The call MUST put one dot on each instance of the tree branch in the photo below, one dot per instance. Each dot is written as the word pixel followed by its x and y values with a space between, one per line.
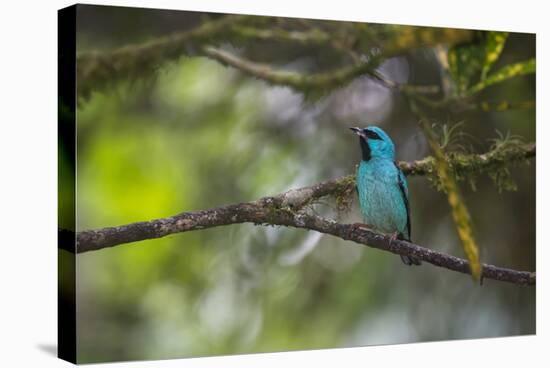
pixel 96 70
pixel 287 209
pixel 296 80
pixel 271 211
pixel 495 106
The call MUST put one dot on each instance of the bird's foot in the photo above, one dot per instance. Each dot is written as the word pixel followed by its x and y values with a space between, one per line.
pixel 408 260
pixel 393 237
pixel 358 226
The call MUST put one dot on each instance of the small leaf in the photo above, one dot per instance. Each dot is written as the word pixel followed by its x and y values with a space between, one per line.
pixel 493 48
pixel 505 73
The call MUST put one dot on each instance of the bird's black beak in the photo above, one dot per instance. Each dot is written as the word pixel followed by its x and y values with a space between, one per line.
pixel 358 131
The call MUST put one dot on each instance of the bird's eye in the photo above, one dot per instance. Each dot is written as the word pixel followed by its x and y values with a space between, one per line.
pixel 372 135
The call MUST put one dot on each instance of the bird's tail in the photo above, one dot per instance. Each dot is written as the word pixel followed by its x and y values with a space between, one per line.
pixel 408 260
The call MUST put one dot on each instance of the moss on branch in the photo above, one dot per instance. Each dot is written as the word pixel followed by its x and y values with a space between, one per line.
pixel 318 82
pixel 469 166
pixel 97 70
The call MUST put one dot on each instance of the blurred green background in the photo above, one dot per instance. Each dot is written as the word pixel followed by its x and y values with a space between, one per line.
pixel 200 135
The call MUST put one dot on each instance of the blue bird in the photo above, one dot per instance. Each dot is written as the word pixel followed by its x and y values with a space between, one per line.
pixel 382 187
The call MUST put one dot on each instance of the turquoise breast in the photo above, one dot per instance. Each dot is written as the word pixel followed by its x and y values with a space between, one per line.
pixel 380 197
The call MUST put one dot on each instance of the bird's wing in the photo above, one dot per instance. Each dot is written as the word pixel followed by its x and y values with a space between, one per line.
pixel 405 194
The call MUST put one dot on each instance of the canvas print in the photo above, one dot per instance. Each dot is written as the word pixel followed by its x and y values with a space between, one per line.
pixel 234 184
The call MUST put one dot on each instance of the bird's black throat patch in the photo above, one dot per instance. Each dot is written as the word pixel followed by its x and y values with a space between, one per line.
pixel 365 149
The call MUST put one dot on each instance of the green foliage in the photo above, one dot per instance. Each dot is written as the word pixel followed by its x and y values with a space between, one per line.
pixel 470 63
pixel 451 136
pixel 505 73
pixel 460 212
pixel 494 43
pixel 503 145
pixel 505 150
